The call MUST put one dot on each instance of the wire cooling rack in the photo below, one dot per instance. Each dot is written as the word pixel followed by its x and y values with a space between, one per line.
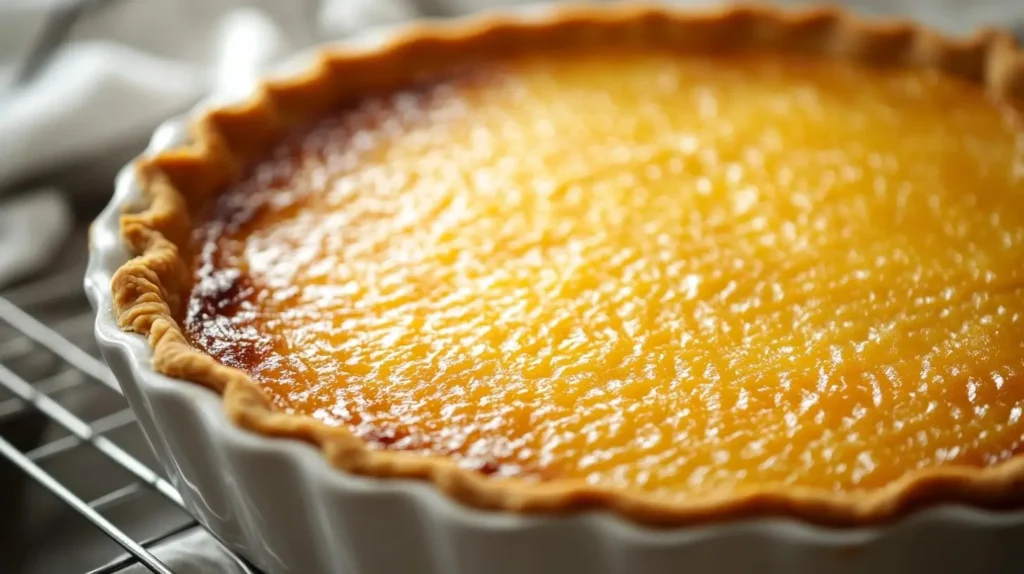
pixel 65 427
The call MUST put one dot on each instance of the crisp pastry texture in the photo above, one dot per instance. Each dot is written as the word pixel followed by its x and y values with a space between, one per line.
pixel 682 283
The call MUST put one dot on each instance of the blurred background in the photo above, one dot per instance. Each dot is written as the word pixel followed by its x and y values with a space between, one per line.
pixel 82 85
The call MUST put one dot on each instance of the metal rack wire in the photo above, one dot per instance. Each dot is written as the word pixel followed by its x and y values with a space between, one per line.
pixel 40 367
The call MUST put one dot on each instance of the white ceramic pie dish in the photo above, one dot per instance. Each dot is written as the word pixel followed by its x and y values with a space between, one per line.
pixel 277 503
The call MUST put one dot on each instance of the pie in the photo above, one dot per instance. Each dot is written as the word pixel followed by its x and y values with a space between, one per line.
pixel 682 267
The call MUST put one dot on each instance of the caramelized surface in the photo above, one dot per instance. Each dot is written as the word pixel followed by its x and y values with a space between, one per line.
pixel 651 271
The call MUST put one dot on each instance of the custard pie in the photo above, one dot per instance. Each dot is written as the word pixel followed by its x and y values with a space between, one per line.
pixel 682 267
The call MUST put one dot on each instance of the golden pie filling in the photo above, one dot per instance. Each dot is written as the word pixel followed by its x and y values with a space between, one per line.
pixel 677 274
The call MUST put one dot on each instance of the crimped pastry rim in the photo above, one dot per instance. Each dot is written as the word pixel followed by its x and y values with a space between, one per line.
pixel 149 288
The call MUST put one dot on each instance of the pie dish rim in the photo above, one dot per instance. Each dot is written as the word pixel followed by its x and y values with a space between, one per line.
pixel 144 288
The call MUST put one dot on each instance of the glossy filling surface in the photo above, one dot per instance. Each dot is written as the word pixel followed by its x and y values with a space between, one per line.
pixel 680 274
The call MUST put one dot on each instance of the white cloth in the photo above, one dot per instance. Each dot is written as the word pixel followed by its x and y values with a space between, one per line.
pixel 125 66
pixel 128 64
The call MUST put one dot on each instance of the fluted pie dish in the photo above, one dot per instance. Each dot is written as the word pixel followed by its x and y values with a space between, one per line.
pixel 673 272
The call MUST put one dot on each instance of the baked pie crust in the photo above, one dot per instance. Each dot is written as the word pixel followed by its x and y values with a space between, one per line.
pixel 151 291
